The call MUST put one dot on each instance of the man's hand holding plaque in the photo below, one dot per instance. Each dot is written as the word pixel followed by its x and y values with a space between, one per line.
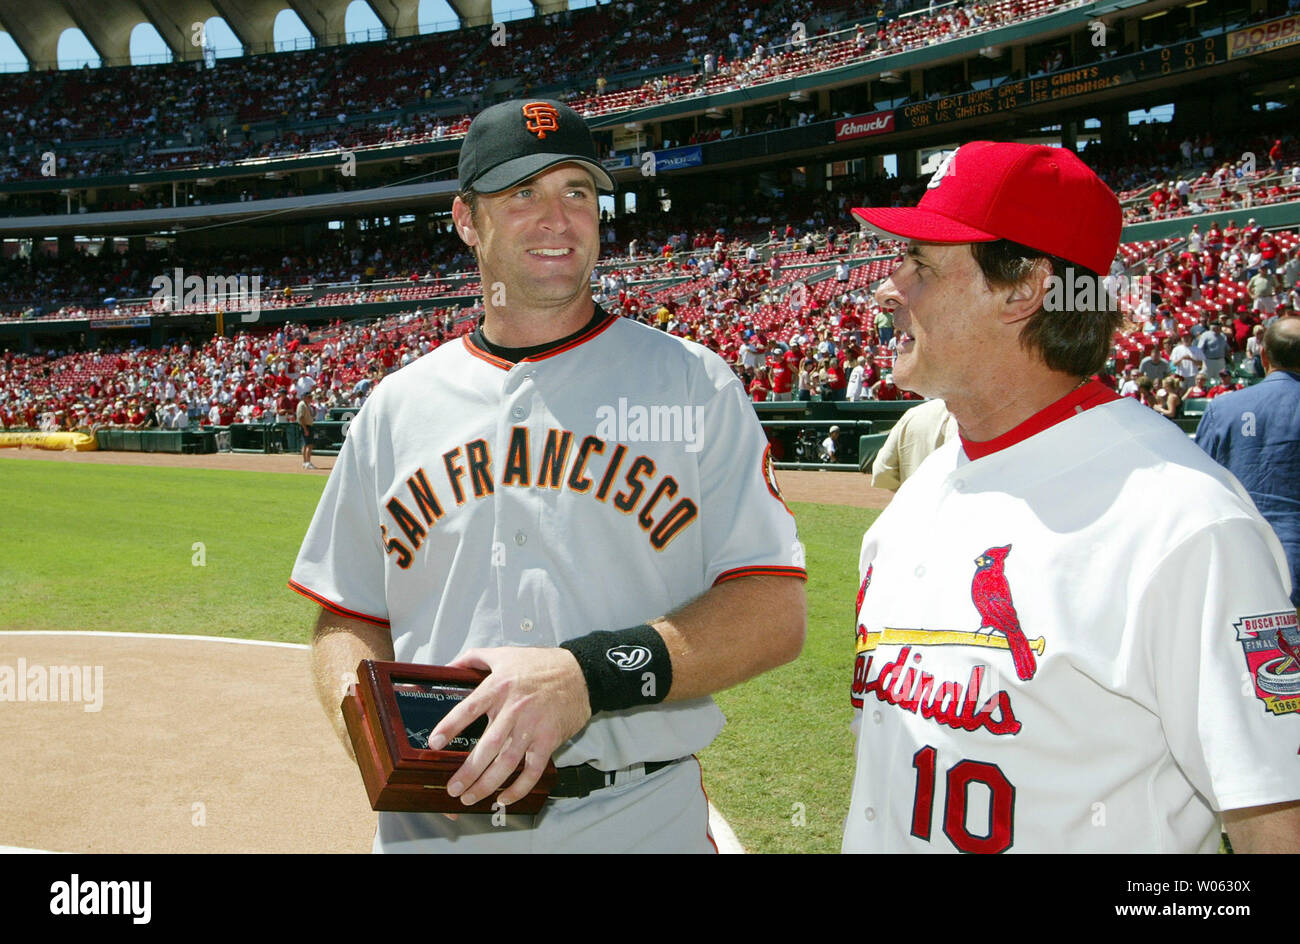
pixel 536 700
pixel 391 715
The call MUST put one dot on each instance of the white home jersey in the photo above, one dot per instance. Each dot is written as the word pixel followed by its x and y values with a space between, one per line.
pixel 1077 643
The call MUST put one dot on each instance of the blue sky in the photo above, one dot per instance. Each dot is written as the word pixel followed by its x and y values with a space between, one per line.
pixel 147 45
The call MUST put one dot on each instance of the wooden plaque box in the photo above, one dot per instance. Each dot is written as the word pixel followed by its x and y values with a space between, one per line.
pixel 390 711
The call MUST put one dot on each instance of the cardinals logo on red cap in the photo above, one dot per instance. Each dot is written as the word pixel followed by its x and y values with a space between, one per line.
pixel 945 168
pixel 542 117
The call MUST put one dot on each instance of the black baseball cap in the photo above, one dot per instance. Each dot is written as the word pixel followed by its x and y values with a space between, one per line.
pixel 513 141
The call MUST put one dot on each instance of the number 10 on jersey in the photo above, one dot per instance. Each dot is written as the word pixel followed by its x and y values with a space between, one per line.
pixel 999 834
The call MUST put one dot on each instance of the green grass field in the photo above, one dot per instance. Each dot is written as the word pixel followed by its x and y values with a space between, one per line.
pixel 113 548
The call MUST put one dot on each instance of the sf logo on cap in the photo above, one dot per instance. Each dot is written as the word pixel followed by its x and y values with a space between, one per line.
pixel 541 118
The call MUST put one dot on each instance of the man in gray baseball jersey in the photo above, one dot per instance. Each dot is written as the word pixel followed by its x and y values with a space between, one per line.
pixel 583 506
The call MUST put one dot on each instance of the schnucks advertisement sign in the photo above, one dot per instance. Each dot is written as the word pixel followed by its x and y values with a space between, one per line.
pixel 860 126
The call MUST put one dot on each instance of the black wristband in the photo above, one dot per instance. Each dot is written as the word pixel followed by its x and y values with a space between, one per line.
pixel 626 668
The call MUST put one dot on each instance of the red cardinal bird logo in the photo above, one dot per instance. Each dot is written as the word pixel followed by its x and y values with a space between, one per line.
pixel 992 597
pixel 862 591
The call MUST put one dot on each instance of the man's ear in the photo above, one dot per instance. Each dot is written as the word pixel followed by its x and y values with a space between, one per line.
pixel 1022 300
pixel 464 221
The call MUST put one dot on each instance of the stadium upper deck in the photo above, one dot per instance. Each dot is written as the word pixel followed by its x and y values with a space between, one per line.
pixel 421 90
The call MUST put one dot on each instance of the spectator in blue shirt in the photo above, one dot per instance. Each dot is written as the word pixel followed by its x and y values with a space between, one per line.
pixel 1255 434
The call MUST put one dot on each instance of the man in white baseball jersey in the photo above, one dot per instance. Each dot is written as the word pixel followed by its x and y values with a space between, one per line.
pixel 511 501
pixel 1073 629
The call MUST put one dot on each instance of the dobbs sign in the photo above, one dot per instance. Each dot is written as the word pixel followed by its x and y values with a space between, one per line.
pixel 1263 37
pixel 861 126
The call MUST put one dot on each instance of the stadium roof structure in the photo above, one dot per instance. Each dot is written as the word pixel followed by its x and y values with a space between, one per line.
pixel 107 24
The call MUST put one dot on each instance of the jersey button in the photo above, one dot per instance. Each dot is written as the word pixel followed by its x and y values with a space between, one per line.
pixel 920 570
pixel 959 485
pixel 517 413
pixel 876 717
pixel 526 625
pixel 870 814
pixel 521 538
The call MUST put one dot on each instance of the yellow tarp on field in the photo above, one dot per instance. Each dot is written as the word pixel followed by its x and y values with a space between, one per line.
pixel 81 442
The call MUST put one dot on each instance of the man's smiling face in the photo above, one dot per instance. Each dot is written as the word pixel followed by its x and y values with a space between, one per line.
pixel 538 239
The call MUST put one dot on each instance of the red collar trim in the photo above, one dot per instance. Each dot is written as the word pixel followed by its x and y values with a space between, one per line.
pixel 504 364
pixel 1093 393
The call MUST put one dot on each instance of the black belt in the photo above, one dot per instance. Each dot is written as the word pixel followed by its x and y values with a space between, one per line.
pixel 584 779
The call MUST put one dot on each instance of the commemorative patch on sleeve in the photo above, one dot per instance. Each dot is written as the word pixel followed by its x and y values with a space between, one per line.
pixel 1271 643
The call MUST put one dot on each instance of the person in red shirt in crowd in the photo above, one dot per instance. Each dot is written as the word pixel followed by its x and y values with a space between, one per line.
pixel 758 387
pixel 1231 234
pixel 119 416
pixel 836 382
pixel 1275 155
pixel 1209 267
pixel 782 380
pixel 1198 390
pixel 793 357
pixel 1267 252
pixel 1242 326
pixel 1214 239
pixel 851 325
pixel 1225 385
pixel 1158 201
pixel 884 389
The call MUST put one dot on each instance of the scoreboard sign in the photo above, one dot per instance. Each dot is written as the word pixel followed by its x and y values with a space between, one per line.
pixel 1070 83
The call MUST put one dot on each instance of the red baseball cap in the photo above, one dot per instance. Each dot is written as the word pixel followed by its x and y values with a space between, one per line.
pixel 1041 197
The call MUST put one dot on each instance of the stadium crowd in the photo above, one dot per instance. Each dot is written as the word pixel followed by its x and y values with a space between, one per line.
pixel 249 378
pixel 796 322
pixel 146 118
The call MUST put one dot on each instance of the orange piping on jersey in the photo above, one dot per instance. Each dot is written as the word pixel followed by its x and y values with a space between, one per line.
pixel 761 571
pixel 581 339
pixel 506 365
pixel 708 834
pixel 334 607
pixel 485 356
